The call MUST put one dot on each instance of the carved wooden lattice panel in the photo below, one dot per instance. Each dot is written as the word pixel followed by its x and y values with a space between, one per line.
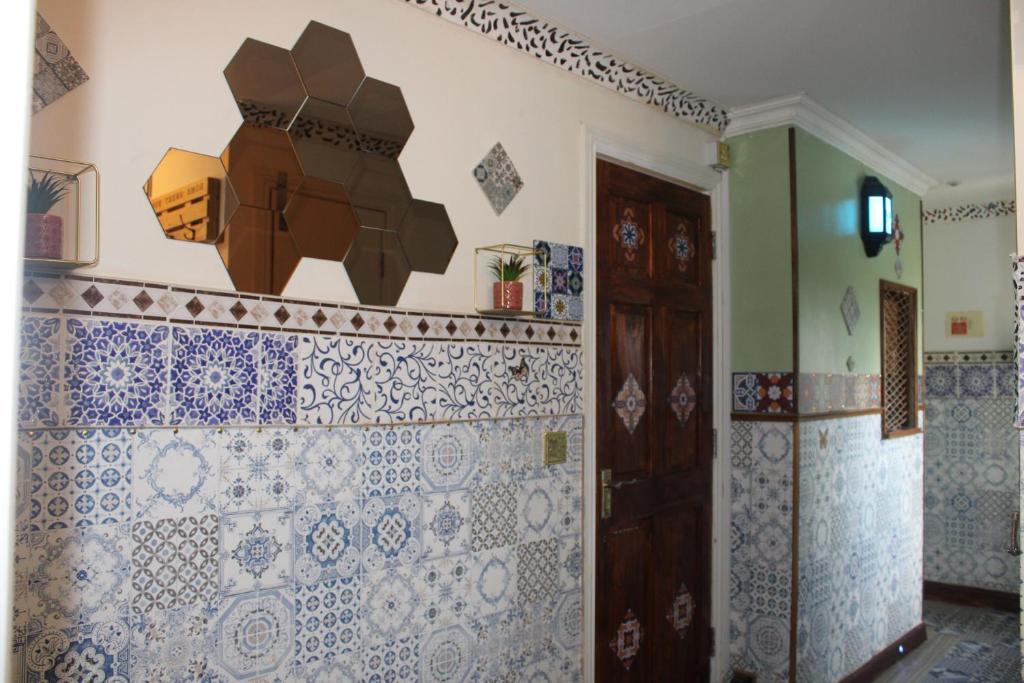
pixel 899 369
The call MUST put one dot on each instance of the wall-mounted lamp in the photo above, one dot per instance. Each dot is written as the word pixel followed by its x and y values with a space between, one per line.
pixel 875 215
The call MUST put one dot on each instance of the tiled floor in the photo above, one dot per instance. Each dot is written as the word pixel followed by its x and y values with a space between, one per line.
pixel 965 645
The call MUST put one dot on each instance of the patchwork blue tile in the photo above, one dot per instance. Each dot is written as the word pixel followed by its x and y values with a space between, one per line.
pixel 396 660
pixel 558 285
pixel 328 541
pixel 172 644
pixel 176 472
pixel 447 655
pixel 1006 379
pixel 328 464
pixel 256 635
pixel 277 378
pixel 95 651
pixel 39 372
pixel 976 380
pixel 115 373
pixel 78 478
pixel 175 563
pixel 444 590
pixel 391 531
pixel 449 456
pixel 255 551
pixel 78 575
pixel 257 468
pixel 391 606
pixel 446 524
pixel 327 623
pixel 213 376
pixel 391 461
pixel 940 380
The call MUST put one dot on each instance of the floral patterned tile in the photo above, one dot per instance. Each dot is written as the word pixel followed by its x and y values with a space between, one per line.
pixel 328 465
pixel 391 461
pixel 116 373
pixel 96 651
pixel 277 378
pixel 328 541
pixel 39 371
pixel 257 468
pixel 176 472
pixel 327 623
pixel 213 376
pixel 255 635
pixel 255 551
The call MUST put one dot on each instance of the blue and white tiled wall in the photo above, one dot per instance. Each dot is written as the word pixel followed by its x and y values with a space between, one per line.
pixel 971 469
pixel 858 553
pixel 860 544
pixel 761 556
pixel 215 502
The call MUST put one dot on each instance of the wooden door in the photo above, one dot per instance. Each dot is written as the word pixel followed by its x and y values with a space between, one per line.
pixel 654 429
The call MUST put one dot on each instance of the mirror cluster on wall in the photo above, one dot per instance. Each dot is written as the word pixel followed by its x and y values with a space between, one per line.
pixel 313 172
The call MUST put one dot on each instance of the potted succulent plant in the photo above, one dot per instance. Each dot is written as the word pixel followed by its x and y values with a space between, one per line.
pixel 44 232
pixel 508 290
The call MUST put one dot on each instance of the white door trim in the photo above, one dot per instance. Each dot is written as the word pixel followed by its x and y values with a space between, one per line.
pixel 597 144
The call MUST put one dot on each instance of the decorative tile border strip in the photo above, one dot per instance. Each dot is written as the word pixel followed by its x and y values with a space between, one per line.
pixel 572 52
pixel 71 294
pixel 827 392
pixel 1018 335
pixel 970 212
pixel 763 392
pixel 967 375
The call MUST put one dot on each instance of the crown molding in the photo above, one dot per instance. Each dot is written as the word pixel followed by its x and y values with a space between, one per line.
pixel 800 110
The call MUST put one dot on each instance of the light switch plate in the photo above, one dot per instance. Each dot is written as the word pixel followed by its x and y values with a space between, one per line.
pixel 555 446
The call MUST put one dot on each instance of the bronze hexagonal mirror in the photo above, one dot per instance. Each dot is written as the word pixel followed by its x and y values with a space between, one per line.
pixel 321 220
pixel 377 267
pixel 381 117
pixel 427 237
pixel 312 171
pixel 265 84
pixel 191 196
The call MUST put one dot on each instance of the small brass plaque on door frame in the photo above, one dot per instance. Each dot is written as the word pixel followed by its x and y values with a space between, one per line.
pixel 555 446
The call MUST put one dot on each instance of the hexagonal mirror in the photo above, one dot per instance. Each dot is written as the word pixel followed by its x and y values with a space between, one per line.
pixel 377 267
pixel 379 193
pixel 328 63
pixel 265 84
pixel 191 196
pixel 325 141
pixel 381 117
pixel 427 237
pixel 262 166
pixel 258 251
pixel 321 219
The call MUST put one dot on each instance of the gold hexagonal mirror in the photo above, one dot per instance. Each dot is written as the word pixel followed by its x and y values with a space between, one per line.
pixel 191 196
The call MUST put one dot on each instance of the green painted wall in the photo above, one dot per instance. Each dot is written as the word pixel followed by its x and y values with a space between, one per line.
pixel 761 280
pixel 832 258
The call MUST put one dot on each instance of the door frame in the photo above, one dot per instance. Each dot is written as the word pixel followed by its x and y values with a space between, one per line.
pixel 702 178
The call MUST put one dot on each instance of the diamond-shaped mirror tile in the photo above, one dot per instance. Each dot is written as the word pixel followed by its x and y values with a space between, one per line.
pixel 850 310
pixel 498 178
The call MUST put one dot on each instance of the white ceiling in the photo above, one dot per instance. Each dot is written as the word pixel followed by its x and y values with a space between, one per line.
pixel 927 79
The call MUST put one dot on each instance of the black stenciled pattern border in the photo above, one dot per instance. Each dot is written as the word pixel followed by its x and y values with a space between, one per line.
pixel 970 212
pixel 570 51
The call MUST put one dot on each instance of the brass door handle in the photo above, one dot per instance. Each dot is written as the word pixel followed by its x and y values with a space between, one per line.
pixel 606 494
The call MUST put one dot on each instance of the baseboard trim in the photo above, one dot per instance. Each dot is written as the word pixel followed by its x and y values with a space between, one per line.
pixel 972 597
pixel 912 639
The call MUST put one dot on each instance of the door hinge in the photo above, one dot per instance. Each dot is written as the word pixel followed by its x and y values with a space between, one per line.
pixel 714 444
pixel 713 646
pixel 714 245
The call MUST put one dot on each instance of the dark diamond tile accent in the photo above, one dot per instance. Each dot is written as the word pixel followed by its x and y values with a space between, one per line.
pixel 480 329
pixel 143 300
pixel 31 291
pixel 319 318
pixel 423 326
pixel 238 310
pixel 282 315
pixel 357 321
pixel 451 327
pixel 529 331
pixel 92 296
pixel 195 306
pixel 390 324
pixel 573 335
pixel 551 333
pixel 504 329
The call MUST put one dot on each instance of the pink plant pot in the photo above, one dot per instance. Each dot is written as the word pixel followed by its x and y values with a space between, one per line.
pixel 44 236
pixel 508 296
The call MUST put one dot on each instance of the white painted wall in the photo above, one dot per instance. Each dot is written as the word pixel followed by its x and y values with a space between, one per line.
pixel 156 82
pixel 967 268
